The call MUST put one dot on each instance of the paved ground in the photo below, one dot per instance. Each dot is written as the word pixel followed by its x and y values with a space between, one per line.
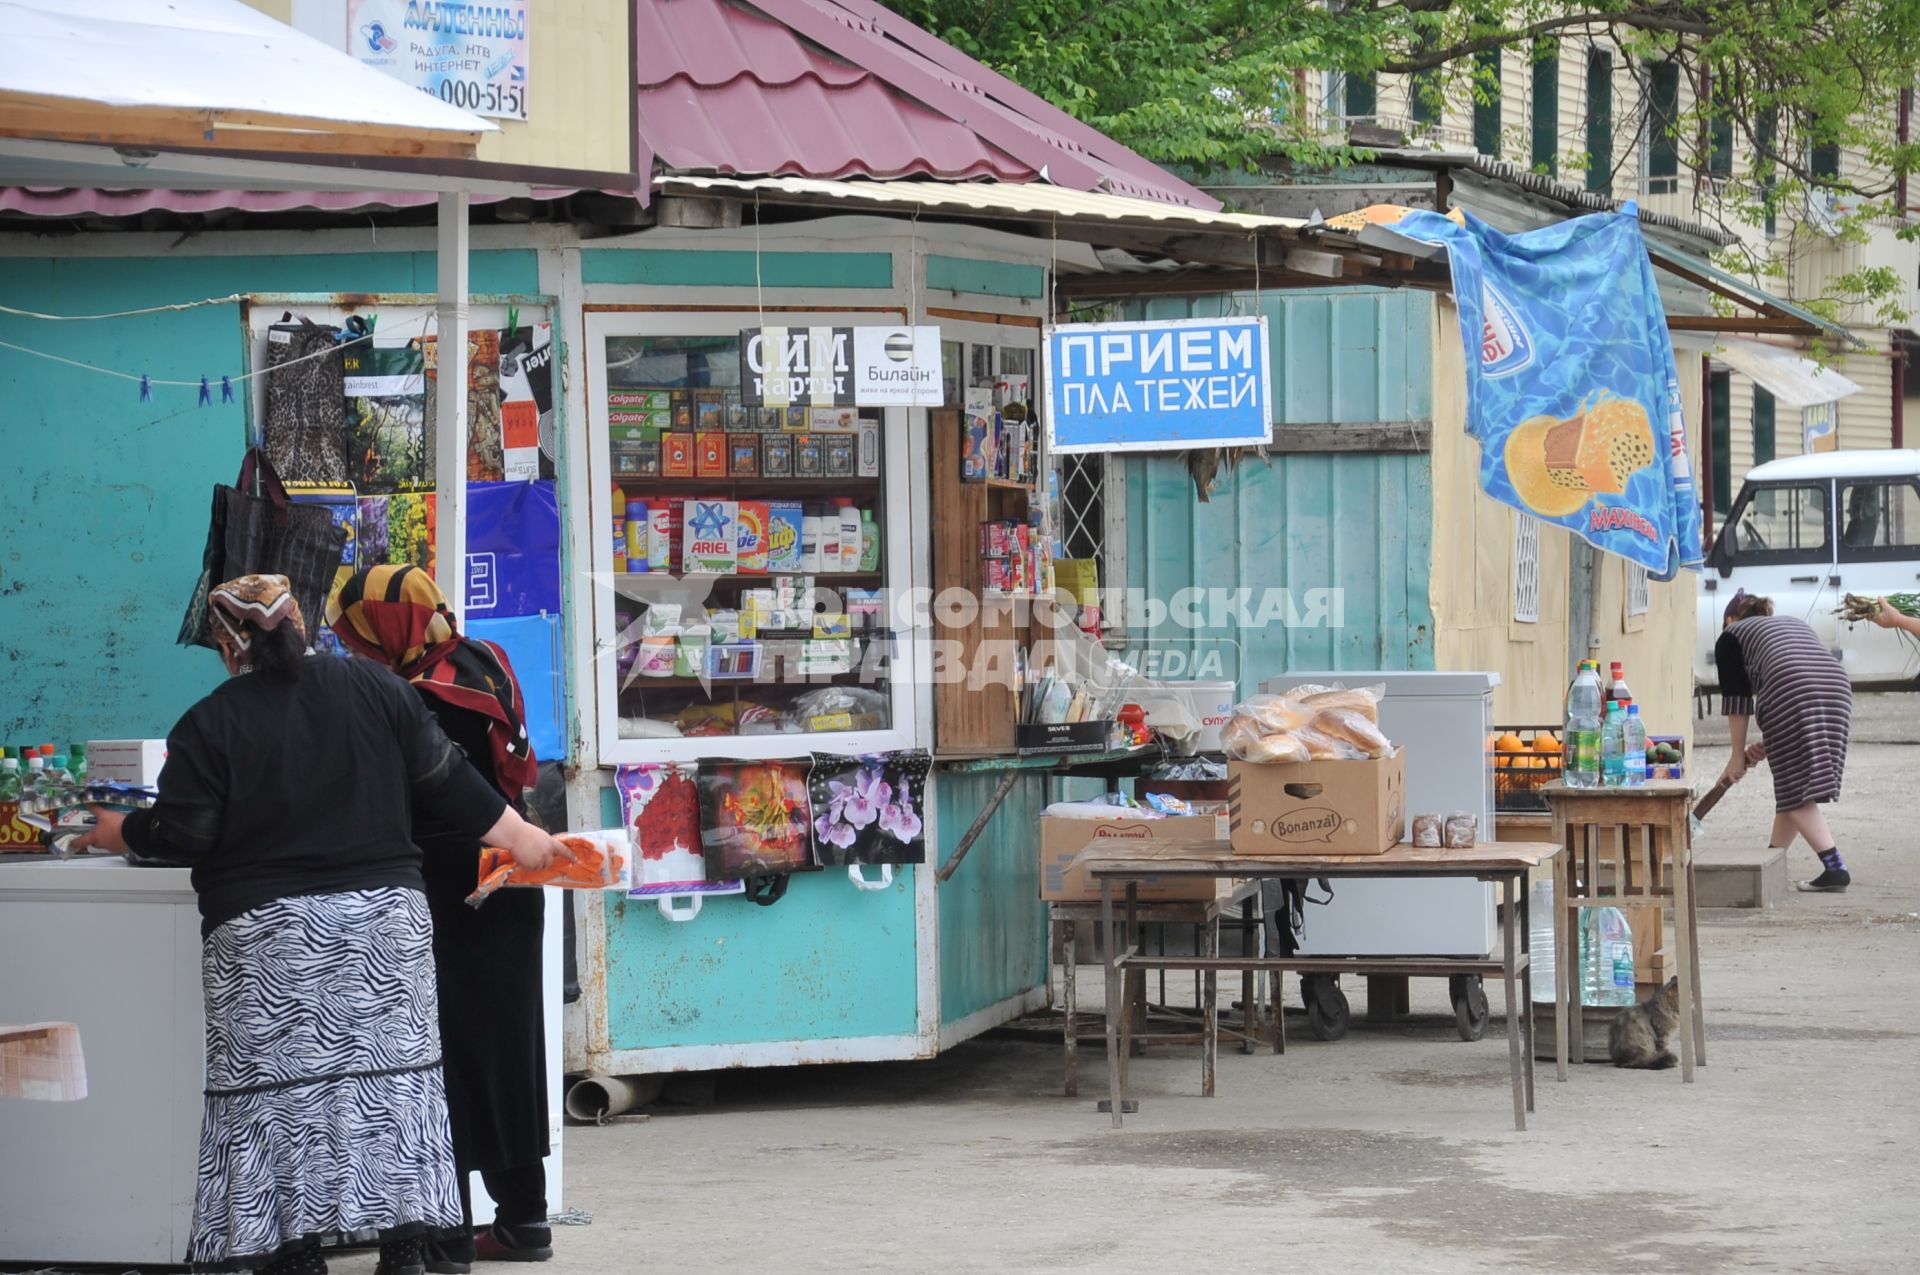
pixel 1389 1151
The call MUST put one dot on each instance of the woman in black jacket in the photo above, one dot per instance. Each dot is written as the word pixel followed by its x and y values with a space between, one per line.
pixel 487 958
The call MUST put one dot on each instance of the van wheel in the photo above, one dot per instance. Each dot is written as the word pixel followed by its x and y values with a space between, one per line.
pixel 1328 1013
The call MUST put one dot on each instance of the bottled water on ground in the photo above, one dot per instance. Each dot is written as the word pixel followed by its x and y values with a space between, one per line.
pixel 1606 957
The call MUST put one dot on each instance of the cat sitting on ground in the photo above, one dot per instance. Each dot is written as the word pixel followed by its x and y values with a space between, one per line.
pixel 1638 1037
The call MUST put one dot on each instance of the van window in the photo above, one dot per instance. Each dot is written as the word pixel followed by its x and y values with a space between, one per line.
pixel 1778 524
pixel 1879 520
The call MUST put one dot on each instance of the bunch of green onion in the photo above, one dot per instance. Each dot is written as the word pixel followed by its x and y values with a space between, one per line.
pixel 1857 609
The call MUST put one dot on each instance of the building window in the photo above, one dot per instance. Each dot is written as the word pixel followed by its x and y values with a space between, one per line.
pixel 1639 595
pixel 1362 96
pixel 1826 161
pixel 1425 93
pixel 1719 133
pixel 1093 527
pixel 1663 122
pixel 1765 171
pixel 1763 417
pixel 1486 102
pixel 1720 385
pixel 1545 155
pixel 1600 121
pixel 1526 569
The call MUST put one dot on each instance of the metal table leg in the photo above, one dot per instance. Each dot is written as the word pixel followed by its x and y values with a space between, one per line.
pixel 1526 981
pixel 1114 1009
pixel 1070 1002
pixel 1209 1010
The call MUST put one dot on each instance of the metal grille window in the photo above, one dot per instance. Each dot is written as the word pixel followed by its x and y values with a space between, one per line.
pixel 1639 595
pixel 1093 521
pixel 1526 569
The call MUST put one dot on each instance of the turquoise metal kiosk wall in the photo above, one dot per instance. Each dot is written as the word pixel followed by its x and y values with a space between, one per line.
pixel 1359 522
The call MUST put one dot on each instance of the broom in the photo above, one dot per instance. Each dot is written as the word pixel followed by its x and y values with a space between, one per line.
pixel 1756 753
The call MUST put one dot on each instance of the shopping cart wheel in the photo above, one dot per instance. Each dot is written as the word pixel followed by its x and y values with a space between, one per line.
pixel 1328 1014
pixel 1469 994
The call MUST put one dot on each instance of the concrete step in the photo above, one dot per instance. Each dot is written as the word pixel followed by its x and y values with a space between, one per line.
pixel 1741 878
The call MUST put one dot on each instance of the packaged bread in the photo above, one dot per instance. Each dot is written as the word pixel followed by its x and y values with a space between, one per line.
pixel 1322 746
pixel 1352 727
pixel 1273 713
pixel 1362 701
pixel 1243 740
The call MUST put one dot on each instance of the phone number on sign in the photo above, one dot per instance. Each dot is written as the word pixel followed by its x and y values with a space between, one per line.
pixel 488 99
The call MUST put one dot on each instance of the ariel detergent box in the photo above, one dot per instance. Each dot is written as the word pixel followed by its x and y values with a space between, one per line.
pixel 711 537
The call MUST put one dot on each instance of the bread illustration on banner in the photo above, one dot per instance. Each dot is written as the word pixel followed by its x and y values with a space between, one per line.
pixel 1557 466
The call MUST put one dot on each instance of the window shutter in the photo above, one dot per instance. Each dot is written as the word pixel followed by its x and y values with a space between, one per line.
pixel 1486 115
pixel 1545 155
pixel 1763 422
pixel 1600 120
pixel 1639 593
pixel 1526 569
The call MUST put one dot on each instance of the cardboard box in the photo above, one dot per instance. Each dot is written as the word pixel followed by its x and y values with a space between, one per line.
pixel 1062 737
pixel 1318 807
pixel 1062 840
pixel 126 761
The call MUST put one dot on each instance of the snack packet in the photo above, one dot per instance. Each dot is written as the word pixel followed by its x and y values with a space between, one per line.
pixel 599 864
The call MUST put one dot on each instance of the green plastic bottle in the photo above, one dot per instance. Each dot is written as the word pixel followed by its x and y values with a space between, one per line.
pixel 77 763
pixel 869 541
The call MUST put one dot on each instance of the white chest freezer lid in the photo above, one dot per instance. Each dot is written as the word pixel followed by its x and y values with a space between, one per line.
pixel 1437 685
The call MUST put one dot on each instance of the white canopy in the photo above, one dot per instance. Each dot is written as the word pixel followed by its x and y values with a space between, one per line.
pixel 1798 382
pixel 208 76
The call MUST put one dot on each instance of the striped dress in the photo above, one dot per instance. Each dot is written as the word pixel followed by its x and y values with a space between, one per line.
pixel 1774 668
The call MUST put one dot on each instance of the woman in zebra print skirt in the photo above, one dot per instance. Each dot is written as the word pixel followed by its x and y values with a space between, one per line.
pixel 1775 668
pixel 287 789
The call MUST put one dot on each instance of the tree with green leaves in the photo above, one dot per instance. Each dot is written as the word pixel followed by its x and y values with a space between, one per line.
pixel 1212 84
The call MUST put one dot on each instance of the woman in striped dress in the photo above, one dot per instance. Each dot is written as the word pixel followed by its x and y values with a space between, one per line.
pixel 287 790
pixel 1775 668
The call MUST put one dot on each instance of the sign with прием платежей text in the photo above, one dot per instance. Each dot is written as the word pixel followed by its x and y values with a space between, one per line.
pixel 1157 385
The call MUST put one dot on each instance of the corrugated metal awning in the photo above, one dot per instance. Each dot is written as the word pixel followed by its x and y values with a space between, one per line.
pixel 1023 201
pixel 1795 381
pixel 1776 314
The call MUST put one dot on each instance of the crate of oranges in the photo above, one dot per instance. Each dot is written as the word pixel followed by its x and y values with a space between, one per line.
pixel 1525 760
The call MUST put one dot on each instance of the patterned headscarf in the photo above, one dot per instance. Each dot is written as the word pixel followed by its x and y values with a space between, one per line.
pixel 265 602
pixel 398 616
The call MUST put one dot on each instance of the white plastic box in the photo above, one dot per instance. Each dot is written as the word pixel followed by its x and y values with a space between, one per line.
pixel 126 761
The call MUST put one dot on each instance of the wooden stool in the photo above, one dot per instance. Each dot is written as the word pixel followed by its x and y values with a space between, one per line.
pixel 1625 848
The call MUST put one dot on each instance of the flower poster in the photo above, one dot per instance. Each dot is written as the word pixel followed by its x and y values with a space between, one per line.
pixel 661 811
pixel 869 809
pixel 754 818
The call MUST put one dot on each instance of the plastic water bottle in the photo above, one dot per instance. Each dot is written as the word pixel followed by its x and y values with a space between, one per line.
pixel 1580 753
pixel 1633 745
pixel 1613 743
pixel 1606 957
pixel 1540 948
pixel 10 780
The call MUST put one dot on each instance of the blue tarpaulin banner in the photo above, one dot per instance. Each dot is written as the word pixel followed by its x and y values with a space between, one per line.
pixel 513 549
pixel 532 644
pixel 1574 396
pixel 1158 385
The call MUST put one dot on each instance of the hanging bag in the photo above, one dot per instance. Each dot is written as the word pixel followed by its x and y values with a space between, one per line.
pixel 305 435
pixel 255 529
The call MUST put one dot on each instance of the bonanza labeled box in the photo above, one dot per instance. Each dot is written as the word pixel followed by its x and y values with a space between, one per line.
pixel 1062 840
pixel 1317 807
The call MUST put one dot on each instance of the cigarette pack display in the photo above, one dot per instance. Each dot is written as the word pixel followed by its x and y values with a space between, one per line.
pixel 752 537
pixel 709 409
pixel 683 409
pixel 740 417
pixel 676 454
pixel 743 455
pixel 710 454
pixel 840 450
pixel 776 456
pixel 783 535
pixel 627 445
pixel 711 536
pixel 867 459
pixel 809 456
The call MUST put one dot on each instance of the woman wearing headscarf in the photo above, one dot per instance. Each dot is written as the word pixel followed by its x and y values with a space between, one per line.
pixel 487 958
pixel 287 791
pixel 1775 668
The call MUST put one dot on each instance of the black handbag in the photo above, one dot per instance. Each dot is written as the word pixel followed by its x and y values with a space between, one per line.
pixel 264 532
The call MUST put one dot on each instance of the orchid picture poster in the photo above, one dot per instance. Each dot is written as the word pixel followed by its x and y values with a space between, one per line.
pixel 869 809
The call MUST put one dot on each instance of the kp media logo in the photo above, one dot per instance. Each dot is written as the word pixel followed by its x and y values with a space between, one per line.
pixel 1505 345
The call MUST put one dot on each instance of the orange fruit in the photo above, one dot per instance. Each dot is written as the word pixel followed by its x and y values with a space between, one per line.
pixel 1509 743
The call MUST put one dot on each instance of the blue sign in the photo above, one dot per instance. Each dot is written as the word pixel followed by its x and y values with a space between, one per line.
pixel 1158 385
pixel 1572 391
pixel 533 647
pixel 513 549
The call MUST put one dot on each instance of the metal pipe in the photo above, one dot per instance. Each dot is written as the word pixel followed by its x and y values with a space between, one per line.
pixel 598 1099
pixel 1899 397
pixel 1706 451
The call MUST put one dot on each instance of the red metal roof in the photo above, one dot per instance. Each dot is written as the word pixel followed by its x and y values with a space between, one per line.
pixel 848 88
pixel 828 89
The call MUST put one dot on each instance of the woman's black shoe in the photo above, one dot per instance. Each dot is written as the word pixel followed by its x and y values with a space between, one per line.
pixel 1832 881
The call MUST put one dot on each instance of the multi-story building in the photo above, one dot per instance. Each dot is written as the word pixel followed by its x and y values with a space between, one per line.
pixel 1580 110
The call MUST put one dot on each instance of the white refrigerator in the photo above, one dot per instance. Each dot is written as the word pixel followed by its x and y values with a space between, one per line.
pixel 1444 722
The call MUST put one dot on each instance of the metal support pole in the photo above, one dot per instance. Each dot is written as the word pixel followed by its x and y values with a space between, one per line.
pixel 450 415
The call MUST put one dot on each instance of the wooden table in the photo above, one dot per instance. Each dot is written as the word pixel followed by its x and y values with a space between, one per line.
pixel 1205 917
pixel 1625 848
pixel 1506 863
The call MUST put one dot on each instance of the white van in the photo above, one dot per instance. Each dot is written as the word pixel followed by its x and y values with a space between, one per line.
pixel 1808 530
